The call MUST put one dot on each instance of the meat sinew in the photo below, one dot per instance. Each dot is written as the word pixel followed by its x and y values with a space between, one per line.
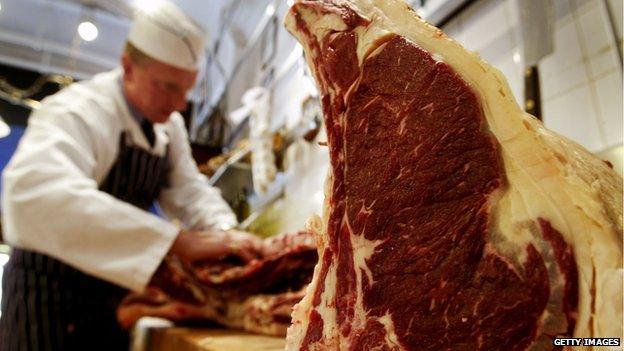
pixel 453 220
pixel 257 296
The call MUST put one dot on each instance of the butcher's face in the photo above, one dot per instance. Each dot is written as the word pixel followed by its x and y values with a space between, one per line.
pixel 157 89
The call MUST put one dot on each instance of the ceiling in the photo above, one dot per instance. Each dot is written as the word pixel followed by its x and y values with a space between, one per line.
pixel 120 8
pixel 41 35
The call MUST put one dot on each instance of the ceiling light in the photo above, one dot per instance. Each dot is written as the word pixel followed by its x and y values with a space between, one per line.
pixel 516 56
pixel 87 31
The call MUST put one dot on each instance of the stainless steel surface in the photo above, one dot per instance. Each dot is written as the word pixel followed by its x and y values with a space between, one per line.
pixel 234 179
pixel 234 159
pixel 206 111
pixel 537 26
pixel 141 335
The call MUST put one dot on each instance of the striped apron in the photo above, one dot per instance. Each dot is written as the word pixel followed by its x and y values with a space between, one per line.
pixel 49 305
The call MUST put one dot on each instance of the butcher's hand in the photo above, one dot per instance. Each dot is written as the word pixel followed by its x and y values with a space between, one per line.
pixel 216 244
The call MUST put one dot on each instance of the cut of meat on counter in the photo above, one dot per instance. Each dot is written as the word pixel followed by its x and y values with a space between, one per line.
pixel 257 297
pixel 454 220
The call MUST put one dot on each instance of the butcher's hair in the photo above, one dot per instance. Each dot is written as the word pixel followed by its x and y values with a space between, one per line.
pixel 137 56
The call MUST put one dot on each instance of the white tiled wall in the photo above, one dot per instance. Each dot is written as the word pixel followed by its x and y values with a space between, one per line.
pixel 584 74
pixel 616 8
pixel 581 81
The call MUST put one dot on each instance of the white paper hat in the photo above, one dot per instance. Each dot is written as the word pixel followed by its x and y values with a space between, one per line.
pixel 167 34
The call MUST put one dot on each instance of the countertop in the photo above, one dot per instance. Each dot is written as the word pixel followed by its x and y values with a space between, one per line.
pixel 193 339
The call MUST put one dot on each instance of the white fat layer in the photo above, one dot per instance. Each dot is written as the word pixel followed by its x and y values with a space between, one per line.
pixel 325 309
pixel 548 176
pixel 296 332
pixel 391 338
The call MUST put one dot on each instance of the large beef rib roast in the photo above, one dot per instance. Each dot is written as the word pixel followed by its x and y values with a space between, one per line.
pixel 255 296
pixel 453 220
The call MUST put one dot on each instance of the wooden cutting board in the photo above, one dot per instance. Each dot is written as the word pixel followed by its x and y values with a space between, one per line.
pixel 192 339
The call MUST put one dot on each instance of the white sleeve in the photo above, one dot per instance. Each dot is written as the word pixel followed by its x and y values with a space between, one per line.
pixel 51 204
pixel 190 198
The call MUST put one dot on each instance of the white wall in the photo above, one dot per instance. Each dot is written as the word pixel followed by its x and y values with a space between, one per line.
pixel 581 82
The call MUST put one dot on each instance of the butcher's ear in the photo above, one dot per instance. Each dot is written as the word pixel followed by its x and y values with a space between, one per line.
pixel 128 65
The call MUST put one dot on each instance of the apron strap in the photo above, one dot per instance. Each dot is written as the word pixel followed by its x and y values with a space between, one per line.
pixel 137 176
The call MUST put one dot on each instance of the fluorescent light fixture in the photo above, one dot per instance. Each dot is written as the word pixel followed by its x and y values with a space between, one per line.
pixel 87 31
pixel 270 10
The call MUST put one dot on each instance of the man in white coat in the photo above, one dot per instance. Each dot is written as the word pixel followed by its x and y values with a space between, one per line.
pixel 93 159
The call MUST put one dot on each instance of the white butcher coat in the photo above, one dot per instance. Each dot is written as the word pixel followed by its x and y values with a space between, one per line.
pixel 51 203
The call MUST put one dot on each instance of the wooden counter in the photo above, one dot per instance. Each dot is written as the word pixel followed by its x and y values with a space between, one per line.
pixel 191 339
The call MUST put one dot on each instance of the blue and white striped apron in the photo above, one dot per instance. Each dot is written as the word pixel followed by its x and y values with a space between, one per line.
pixel 49 305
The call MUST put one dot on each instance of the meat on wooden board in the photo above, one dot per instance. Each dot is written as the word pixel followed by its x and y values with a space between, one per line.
pixel 257 296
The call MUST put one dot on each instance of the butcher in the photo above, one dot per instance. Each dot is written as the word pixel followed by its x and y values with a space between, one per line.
pixel 94 159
